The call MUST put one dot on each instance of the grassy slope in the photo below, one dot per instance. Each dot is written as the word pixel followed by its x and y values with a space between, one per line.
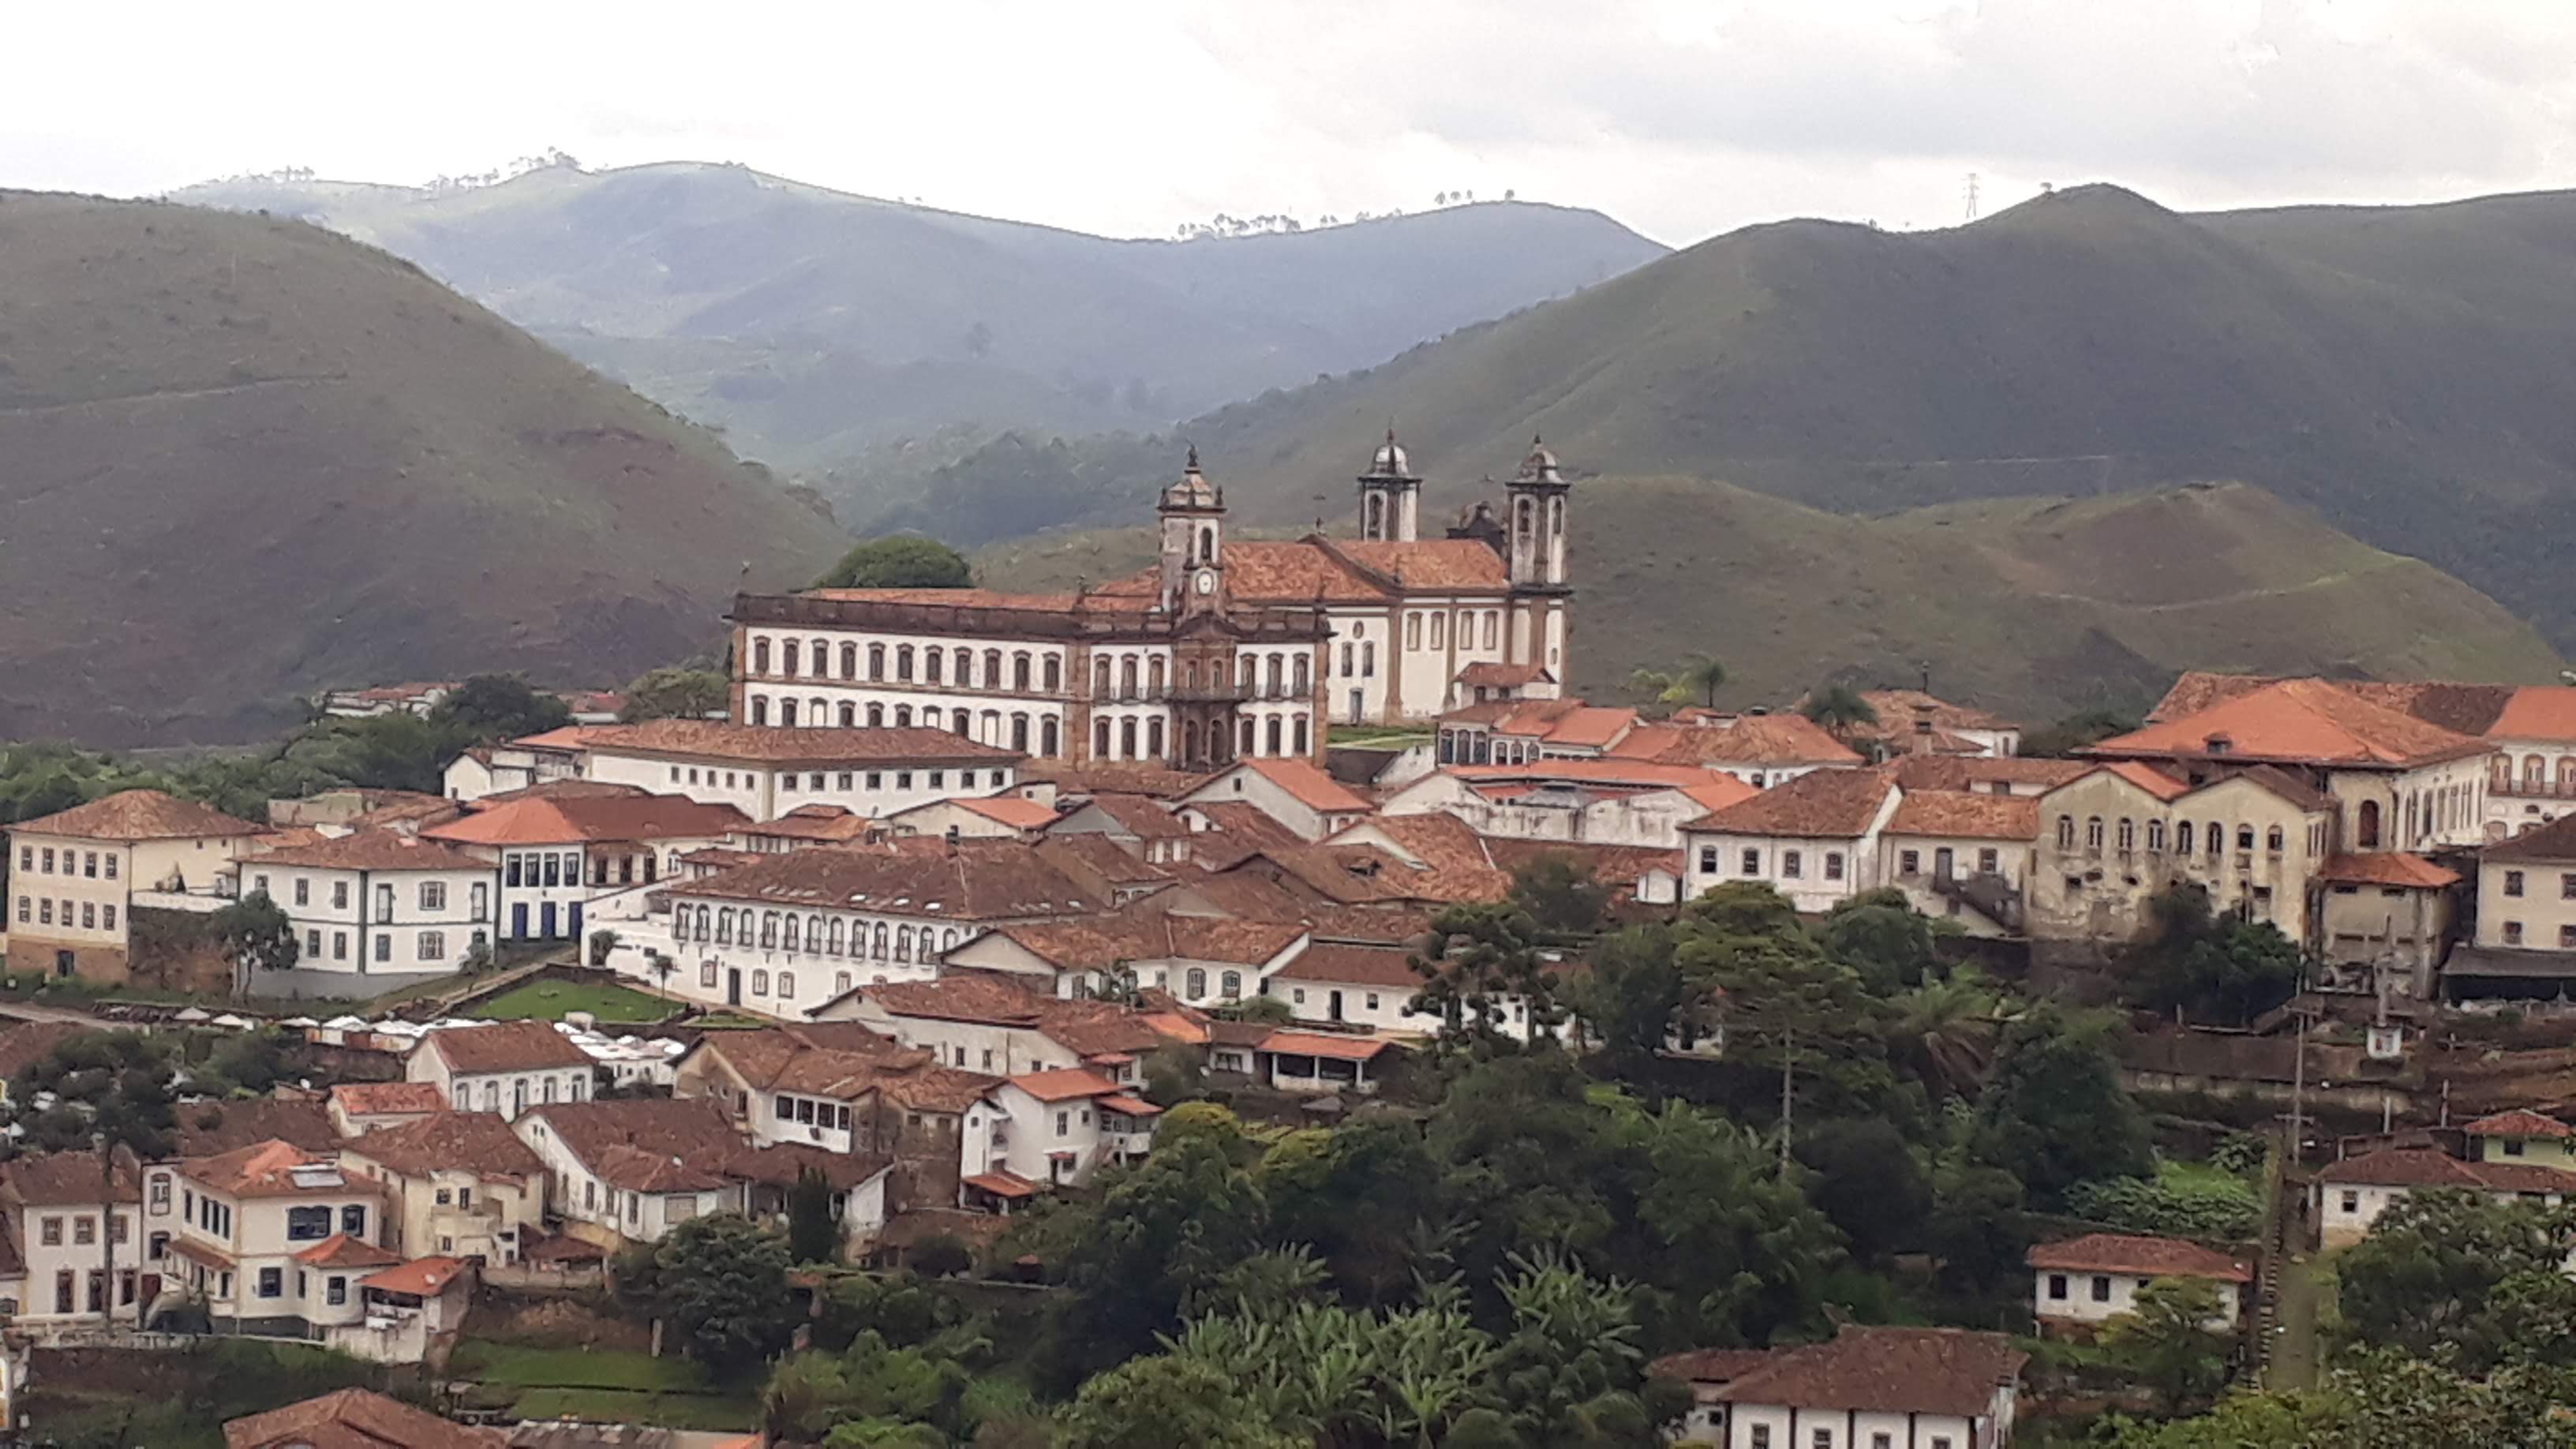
pixel 2406 371
pixel 248 458
pixel 2036 606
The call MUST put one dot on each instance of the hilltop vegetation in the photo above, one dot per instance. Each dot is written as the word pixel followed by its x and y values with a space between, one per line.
pixel 876 339
pixel 2403 370
pixel 2035 606
pixel 247 459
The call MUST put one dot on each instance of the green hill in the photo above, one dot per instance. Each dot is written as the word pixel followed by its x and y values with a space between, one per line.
pixel 2039 607
pixel 242 459
pixel 874 339
pixel 2409 372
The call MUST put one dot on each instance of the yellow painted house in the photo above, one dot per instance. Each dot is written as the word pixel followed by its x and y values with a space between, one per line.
pixel 2523 1136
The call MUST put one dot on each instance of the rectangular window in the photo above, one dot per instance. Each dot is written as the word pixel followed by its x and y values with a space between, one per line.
pixel 89 864
pixel 2513 882
pixel 554 870
pixel 272 1282
pixel 433 895
pixel 313 944
pixel 339 895
pixel 1909 862
pixel 1751 864
pixel 339 945
pixel 353 1220
pixel 303 891
pixel 51 1232
pixel 2567 886
pixel 510 871
pixel 1708 860
pixel 84 1230
pixel 2101 1288
pixel 2057 1286
pixel 1833 865
pixel 49 860
pixel 2513 933
pixel 384 948
pixel 1792 864
pixel 1987 861
pixel 89 915
pixel 1761 1437
pixel 335 1290
pixel 432 946
pixel 107 918
pixel 307 1224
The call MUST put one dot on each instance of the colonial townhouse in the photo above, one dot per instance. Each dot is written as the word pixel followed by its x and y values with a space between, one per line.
pixel 505 1067
pixel 2522 1135
pixel 1761 750
pixel 2088 1281
pixel 555 857
pixel 2254 837
pixel 1196 959
pixel 804 827
pixel 2534 769
pixel 357 1108
pixel 351 1417
pixel 1067 1123
pixel 2525 940
pixel 270 1238
pixel 1573 802
pixel 1910 721
pixel 1522 731
pixel 1140 825
pixel 80 874
pixel 872 771
pixel 1815 839
pixel 56 1217
pixel 995 817
pixel 1347 985
pixel 2350 1195
pixel 2019 775
pixel 2396 781
pixel 787 933
pixel 1865 1388
pixel 456 1184
pixel 630 1171
pixel 1104 870
pixel 373 910
pixel 994 1024
pixel 1299 795
pixel 2386 911
pixel 1965 858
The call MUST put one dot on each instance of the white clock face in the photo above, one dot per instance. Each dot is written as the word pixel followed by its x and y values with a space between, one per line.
pixel 1207 583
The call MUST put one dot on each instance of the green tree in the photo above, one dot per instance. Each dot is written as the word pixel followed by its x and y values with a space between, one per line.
pixel 674 692
pixel 2455 1274
pixel 490 707
pixel 899 561
pixel 1696 682
pixel 111 1097
pixel 1864 1178
pixel 2076 731
pixel 2224 967
pixel 1880 935
pixel 2165 1341
pixel 2053 1113
pixel 1945 1031
pixel 1723 1248
pixel 1791 1012
pixel 255 936
pixel 812 1235
pixel 1839 708
pixel 1560 895
pixel 1638 1004
pixel 1164 1231
pixel 1164 1400
pixel 1478 962
pixel 249 1063
pixel 720 1282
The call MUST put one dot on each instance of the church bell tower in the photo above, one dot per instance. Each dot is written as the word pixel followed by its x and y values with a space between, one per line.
pixel 1192 515
pixel 1390 496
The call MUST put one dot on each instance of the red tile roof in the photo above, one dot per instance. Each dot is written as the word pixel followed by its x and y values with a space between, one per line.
pixel 274 1169
pixel 2520 1122
pixel 2553 841
pixel 699 739
pixel 1821 804
pixel 976 880
pixel 1064 1084
pixel 1975 772
pixel 372 850
pixel 1140 815
pixel 2150 1257
pixel 386 1099
pixel 2431 1167
pixel 1124 779
pixel 2386 868
pixel 1430 564
pixel 1952 1371
pixel 2538 712
pixel 355 1419
pixel 576 819
pixel 1309 786
pixel 2150 779
pixel 505 1046
pixel 1767 740
pixel 646 1144
pixel 1010 810
pixel 1614 772
pixel 2298 721
pixel 1350 965
pixel 130 815
pixel 1324 1044
pixel 342 1251
pixel 2470 709
pixel 66 1179
pixel 421 1277
pixel 476 1142
pixel 1003 1184
pixel 1709 1365
pixel 1957 815
pixel 1142 933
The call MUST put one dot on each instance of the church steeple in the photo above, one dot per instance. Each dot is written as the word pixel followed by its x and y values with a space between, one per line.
pixel 1390 495
pixel 1193 522
pixel 1535 508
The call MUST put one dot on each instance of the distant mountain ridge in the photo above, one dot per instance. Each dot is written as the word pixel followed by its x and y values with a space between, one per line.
pixel 242 459
pixel 848 335
pixel 2409 372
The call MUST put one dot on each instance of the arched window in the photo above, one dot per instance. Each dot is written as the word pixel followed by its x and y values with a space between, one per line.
pixel 1527 524
pixel 1374 526
pixel 1304 736
pixel 1100 739
pixel 1197 980
pixel 2156 837
pixel 903 662
pixel 1154 738
pixel 1413 631
pixel 2093 833
pixel 1244 665
pixel 903 943
pixel 992 669
pixel 1233 981
pixel 2534 769
pixel 1127 739
pixel 1127 676
pixel 961 723
pixel 1493 627
pixel 1020 672
pixel 965 670
pixel 1271 677
pixel 1049 739
pixel 876 661
pixel 1368 659
pixel 947 937
pixel 1020 733
pixel 1249 745
pixel 881 941
pixel 2183 838
pixel 2273 841
pixel 724 928
pixel 680 925
pixel 816 711
pixel 903 716
pixel 823 658
pixel 1303 682
pixel 934 666
pixel 849 661
pixel 2217 840
pixel 2128 836
pixel 1207 543
pixel 990 727
pixel 876 716
pixel 1349 666
pixel 787 935
pixel 1189 742
pixel 787 652
pixel 832 942
pixel 787 713
pixel 1054 675
pixel 1271 734
pixel 849 714
pixel 1154 676
pixel 1100 676
pixel 768 928
pixel 760 656
pixel 759 710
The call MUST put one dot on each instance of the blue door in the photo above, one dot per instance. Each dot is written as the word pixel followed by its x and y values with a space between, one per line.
pixel 519 921
pixel 546 915
pixel 576 920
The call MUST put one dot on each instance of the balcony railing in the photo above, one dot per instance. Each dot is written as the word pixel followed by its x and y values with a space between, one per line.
pixel 2534 789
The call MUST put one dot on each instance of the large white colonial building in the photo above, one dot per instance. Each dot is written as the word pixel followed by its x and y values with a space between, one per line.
pixel 1224 650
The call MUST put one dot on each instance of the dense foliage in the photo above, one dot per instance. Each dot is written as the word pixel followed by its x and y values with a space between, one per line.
pixel 899 561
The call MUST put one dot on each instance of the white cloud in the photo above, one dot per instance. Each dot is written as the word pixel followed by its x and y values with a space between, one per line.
pixel 1683 117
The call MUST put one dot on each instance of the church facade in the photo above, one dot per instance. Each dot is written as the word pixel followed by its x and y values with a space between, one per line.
pixel 1225 649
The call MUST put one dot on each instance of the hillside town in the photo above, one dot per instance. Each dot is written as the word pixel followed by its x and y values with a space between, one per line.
pixel 963 903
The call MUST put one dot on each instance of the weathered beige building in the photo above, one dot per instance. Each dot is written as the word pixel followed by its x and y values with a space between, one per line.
pixel 78 876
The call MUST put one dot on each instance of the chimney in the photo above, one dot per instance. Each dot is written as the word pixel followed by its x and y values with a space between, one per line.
pixel 1923 727
pixel 954 834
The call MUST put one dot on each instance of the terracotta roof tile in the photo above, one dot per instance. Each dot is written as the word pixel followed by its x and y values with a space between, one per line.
pixel 1148 780
pixel 65 1179
pixel 355 1419
pixel 1100 863
pixel 372 850
pixel 567 821
pixel 1888 1370
pixel 421 1277
pixel 1765 740
pixel 140 815
pixel 1140 815
pixel 1959 815
pixel 1309 786
pixel 2297 721
pixel 207 1129
pixel 2150 779
pixel 774 745
pixel 476 1142
pixel 2386 868
pixel 1388 968
pixel 505 1046
pixel 1461 564
pixel 2538 712
pixel 1821 804
pixel 1973 772
pixel 1709 1365
pixel 2470 709
pixel 2553 841
pixel 646 1144
pixel 1611 865
pixel 2520 1122
pixel 1064 1084
pixel 1614 772
pixel 342 1251
pixel 273 1169
pixel 385 1099
pixel 2432 1167
pixel 2152 1257
pixel 1140 933
pixel 1326 1044
pixel 977 880
pixel 1010 810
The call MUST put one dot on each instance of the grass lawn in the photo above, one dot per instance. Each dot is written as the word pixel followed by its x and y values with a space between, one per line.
pixel 1392 737
pixel 711 1413
pixel 549 1000
pixel 600 1384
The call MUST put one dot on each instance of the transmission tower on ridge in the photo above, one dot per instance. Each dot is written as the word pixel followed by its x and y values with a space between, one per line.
pixel 1972 196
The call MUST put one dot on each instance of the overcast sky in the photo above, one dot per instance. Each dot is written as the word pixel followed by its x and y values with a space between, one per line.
pixel 1683 118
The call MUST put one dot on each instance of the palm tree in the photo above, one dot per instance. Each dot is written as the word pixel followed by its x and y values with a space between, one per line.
pixel 1696 682
pixel 1950 1027
pixel 1839 708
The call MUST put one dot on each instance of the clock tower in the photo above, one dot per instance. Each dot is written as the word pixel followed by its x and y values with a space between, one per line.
pixel 1192 514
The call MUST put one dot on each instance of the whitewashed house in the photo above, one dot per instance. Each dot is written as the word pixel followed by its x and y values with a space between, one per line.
pixel 53 1210
pixel 1815 839
pixel 2093 1279
pixel 2351 1194
pixel 374 909
pixel 1293 792
pixel 555 855
pixel 80 874
pixel 632 1170
pixel 505 1067
pixel 1866 1388
pixel 1066 1123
